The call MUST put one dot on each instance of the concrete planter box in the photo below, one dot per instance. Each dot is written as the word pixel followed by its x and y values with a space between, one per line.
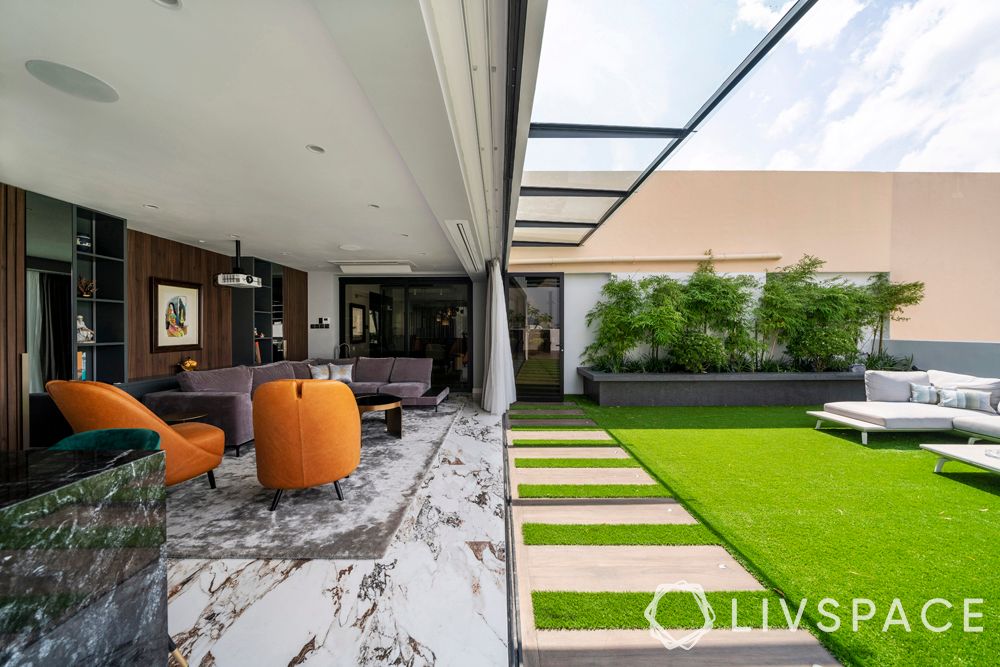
pixel 728 389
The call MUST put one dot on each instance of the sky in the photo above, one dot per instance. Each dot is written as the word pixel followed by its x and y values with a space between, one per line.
pixel 857 85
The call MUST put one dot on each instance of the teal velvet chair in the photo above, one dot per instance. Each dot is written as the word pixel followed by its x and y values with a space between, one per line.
pixel 110 439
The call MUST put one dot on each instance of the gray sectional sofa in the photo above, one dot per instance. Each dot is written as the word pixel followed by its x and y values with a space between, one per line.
pixel 225 395
pixel 889 406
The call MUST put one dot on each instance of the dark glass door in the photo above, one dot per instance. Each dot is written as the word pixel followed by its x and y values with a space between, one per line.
pixel 534 317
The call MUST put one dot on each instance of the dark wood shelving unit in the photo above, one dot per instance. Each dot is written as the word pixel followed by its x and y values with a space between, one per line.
pixel 106 313
pixel 252 310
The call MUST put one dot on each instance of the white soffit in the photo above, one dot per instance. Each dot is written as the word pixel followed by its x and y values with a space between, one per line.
pixel 218 101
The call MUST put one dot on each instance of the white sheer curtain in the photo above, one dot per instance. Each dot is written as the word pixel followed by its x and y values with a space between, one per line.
pixel 499 390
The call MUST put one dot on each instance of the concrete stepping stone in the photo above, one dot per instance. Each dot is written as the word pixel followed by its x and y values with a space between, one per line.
pixel 554 404
pixel 569 453
pixel 580 476
pixel 598 511
pixel 552 422
pixel 565 412
pixel 559 435
pixel 631 568
pixel 636 648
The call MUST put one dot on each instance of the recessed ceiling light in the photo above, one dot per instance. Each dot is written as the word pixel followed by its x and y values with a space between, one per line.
pixel 350 247
pixel 71 81
pixel 374 206
pixel 201 240
pixel 151 206
pixel 422 254
pixel 169 4
pixel 405 235
pixel 284 254
pixel 313 148
pixel 234 236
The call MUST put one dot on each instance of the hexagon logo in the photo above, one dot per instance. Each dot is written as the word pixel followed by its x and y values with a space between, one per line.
pixel 688 641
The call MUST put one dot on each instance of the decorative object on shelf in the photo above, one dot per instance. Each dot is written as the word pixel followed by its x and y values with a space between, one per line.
pixel 257 334
pixel 176 315
pixel 81 365
pixel 84 242
pixel 83 333
pixel 86 287
pixel 188 364
pixel 357 323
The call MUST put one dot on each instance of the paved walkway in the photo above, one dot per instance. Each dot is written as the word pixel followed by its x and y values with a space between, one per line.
pixel 576 568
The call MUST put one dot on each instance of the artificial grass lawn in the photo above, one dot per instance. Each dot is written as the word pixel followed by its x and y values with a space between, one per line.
pixel 576 463
pixel 558 610
pixel 616 534
pixel 563 443
pixel 592 491
pixel 817 514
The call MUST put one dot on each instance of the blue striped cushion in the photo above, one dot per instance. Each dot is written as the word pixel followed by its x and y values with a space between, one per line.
pixel 923 393
pixel 966 399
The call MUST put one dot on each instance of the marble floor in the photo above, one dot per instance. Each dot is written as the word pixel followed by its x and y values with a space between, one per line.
pixel 437 597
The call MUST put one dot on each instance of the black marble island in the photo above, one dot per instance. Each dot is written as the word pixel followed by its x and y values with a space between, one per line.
pixel 82 563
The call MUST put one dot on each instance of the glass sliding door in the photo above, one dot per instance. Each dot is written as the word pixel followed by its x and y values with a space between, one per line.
pixel 534 317
pixel 411 317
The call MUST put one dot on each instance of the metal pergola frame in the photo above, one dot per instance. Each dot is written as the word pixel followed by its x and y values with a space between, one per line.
pixel 676 135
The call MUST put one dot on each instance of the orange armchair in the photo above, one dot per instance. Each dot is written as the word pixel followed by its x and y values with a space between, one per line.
pixel 307 433
pixel 191 449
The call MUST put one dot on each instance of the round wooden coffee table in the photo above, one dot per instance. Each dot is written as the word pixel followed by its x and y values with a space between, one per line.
pixel 391 405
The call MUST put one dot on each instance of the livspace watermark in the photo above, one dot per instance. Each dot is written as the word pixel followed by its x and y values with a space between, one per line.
pixel 830 615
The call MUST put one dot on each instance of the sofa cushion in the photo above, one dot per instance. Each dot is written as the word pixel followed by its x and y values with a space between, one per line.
pixel 982 424
pixel 341 372
pixel 409 369
pixel 280 370
pixel 923 393
pixel 300 370
pixel 319 372
pixel 966 399
pixel 360 388
pixel 236 379
pixel 946 380
pixel 371 369
pixel 893 386
pixel 896 415
pixel 405 389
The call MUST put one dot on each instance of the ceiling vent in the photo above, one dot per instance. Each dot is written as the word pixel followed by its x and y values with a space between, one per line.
pixel 465 240
pixel 374 267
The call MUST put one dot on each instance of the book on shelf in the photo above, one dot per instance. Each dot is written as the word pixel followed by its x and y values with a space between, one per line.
pixel 81 365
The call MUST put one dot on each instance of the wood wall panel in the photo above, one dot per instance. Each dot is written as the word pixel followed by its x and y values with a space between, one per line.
pixel 295 298
pixel 12 298
pixel 154 257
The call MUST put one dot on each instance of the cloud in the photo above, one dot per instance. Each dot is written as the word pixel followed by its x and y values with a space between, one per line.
pixel 818 29
pixel 789 119
pixel 924 70
pixel 759 14
pixel 822 25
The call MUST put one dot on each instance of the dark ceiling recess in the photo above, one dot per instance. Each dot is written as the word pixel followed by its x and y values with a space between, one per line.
pixel 675 135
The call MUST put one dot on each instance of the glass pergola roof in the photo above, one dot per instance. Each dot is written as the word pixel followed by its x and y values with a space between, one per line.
pixel 583 161
pixel 842 85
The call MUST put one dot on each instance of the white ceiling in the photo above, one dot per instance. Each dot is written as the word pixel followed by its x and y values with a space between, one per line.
pixel 217 103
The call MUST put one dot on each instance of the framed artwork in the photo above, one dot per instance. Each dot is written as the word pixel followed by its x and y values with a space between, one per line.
pixel 357 323
pixel 176 315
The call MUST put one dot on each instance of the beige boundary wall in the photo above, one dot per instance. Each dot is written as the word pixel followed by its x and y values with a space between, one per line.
pixel 943 229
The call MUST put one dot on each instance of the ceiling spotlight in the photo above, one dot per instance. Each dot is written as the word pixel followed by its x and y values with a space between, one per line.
pixel 284 254
pixel 169 4
pixel 374 206
pixel 350 247
pixel 71 81
pixel 234 236
pixel 201 240
pixel 151 206
pixel 313 148
pixel 405 236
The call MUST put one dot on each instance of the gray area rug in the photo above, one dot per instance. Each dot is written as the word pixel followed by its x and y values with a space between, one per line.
pixel 233 520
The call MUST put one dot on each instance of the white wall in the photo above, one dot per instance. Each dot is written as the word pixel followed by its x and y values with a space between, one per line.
pixel 323 295
pixel 581 292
